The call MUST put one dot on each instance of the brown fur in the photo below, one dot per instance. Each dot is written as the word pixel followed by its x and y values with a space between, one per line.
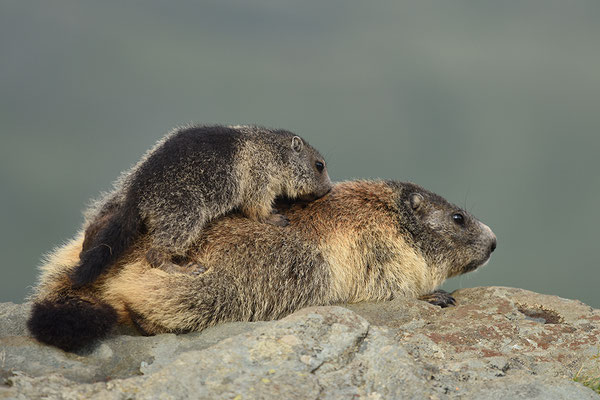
pixel 363 241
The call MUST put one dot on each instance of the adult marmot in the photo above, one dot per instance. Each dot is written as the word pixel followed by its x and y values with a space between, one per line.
pixel 365 240
pixel 190 177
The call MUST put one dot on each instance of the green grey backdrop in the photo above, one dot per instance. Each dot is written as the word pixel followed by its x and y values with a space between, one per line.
pixel 493 104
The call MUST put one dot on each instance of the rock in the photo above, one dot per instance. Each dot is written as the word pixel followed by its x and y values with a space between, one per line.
pixel 496 343
pixel 13 317
pixel 119 356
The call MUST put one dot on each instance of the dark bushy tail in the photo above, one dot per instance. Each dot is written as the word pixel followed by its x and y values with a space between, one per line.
pixel 110 241
pixel 71 322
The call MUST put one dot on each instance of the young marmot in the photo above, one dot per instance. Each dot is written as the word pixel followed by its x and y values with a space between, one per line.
pixel 190 177
pixel 364 241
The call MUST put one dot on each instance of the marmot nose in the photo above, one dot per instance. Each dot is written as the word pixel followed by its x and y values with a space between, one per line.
pixel 493 245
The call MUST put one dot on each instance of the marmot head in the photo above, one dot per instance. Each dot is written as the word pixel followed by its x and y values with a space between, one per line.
pixel 298 169
pixel 449 237
pixel 307 177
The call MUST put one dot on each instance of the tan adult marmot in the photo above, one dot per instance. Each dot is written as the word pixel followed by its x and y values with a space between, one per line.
pixel 364 241
pixel 190 177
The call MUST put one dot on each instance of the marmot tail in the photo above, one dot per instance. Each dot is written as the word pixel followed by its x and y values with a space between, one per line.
pixel 111 241
pixel 70 322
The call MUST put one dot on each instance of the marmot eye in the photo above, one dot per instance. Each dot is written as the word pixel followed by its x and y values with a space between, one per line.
pixel 459 218
pixel 320 166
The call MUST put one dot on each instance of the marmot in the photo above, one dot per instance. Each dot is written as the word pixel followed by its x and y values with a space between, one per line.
pixel 364 241
pixel 190 177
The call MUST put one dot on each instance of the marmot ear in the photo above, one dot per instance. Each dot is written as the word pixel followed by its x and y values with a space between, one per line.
pixel 416 200
pixel 297 144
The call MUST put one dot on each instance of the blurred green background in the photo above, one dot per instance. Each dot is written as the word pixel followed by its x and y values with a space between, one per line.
pixel 493 104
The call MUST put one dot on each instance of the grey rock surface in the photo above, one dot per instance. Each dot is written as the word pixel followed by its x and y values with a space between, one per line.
pixel 497 343
pixel 13 318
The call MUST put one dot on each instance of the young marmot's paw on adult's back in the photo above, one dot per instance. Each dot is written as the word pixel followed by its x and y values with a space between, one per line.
pixel 277 219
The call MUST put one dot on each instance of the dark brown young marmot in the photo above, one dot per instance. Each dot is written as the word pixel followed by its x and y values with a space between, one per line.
pixel 364 241
pixel 190 177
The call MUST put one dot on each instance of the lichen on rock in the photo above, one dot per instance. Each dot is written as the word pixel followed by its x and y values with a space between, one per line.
pixel 495 343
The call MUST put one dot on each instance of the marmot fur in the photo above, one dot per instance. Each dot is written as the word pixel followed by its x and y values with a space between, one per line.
pixel 364 241
pixel 190 177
